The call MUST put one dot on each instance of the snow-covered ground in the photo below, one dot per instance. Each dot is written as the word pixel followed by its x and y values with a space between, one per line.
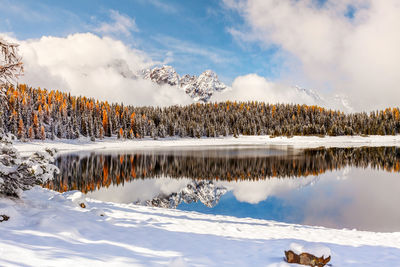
pixel 51 229
pixel 47 228
pixel 85 144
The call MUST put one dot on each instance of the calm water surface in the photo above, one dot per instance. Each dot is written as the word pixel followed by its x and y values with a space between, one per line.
pixel 336 187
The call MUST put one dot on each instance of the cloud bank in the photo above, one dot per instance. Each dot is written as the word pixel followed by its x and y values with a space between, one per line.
pixel 252 87
pixel 348 46
pixel 89 65
pixel 105 68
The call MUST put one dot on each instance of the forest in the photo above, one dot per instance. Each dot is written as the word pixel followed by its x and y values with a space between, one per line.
pixel 35 113
pixel 91 172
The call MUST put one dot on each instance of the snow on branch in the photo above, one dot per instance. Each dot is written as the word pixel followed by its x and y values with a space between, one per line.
pixel 11 66
pixel 18 174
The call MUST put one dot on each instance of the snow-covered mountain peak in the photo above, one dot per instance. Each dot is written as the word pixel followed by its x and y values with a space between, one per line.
pixel 340 102
pixel 209 79
pixel 203 87
pixel 310 93
pixel 162 75
pixel 344 101
pixel 199 88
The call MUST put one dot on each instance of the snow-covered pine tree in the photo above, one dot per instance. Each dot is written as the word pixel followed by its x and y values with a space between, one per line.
pixel 110 127
pixel 161 130
pixel 52 135
pixel 17 174
pixel 60 132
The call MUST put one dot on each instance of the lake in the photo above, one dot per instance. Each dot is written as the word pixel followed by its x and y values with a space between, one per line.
pixel 355 188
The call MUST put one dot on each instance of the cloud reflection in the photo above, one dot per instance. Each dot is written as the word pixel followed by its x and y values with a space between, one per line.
pixel 254 192
pixel 139 190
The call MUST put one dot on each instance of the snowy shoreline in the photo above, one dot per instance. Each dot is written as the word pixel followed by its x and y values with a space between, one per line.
pixel 84 144
pixel 51 229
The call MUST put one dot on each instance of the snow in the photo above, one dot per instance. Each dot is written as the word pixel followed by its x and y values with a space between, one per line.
pixel 77 198
pixel 50 229
pixel 315 249
pixel 84 144
pixel 162 75
pixel 47 228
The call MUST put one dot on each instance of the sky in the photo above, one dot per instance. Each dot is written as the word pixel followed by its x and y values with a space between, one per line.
pixel 190 35
pixel 342 49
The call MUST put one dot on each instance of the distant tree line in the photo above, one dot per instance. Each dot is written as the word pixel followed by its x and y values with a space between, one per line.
pixel 39 114
pixel 89 173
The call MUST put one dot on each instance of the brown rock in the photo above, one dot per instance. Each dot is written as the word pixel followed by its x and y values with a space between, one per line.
pixel 4 218
pixel 82 205
pixel 306 259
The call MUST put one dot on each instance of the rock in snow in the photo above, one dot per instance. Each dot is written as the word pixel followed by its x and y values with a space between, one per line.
pixel 317 250
pixel 199 88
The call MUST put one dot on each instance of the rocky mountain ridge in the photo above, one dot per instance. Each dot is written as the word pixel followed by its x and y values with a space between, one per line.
pixel 199 88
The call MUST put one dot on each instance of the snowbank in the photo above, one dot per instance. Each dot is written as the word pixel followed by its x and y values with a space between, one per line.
pixel 51 229
pixel 84 144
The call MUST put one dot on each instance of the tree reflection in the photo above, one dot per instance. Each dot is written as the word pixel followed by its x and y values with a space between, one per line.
pixel 88 173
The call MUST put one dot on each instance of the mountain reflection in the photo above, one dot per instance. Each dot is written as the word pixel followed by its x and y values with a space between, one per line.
pixel 91 172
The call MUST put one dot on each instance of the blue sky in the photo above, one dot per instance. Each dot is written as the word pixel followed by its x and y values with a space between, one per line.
pixel 191 35
pixel 347 51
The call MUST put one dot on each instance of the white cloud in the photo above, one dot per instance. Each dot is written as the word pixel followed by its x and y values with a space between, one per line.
pixel 252 87
pixel 89 65
pixel 121 24
pixel 255 192
pixel 357 56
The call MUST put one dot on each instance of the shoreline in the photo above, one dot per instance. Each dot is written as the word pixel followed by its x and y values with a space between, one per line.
pixel 112 143
pixel 47 219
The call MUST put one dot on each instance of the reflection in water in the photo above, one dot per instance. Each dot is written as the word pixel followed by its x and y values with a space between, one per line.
pixel 205 192
pixel 339 187
pixel 91 172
